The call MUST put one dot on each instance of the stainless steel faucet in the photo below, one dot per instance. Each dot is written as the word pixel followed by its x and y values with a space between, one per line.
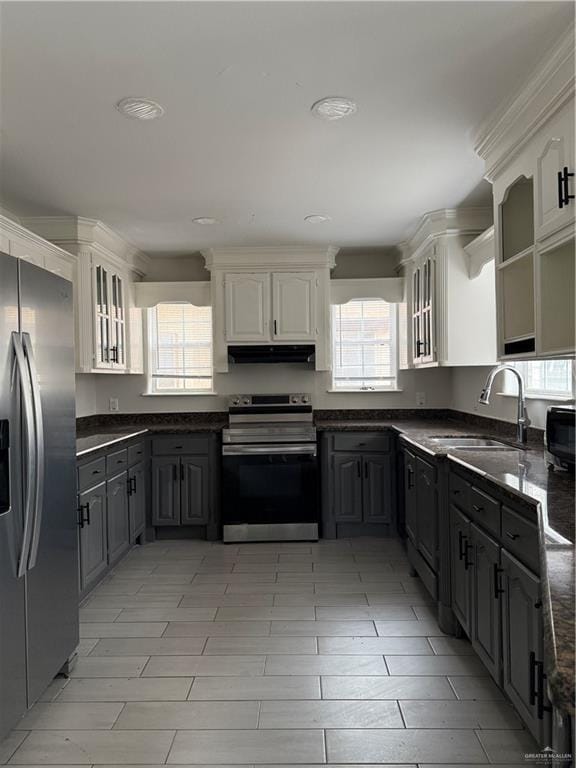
pixel 522 420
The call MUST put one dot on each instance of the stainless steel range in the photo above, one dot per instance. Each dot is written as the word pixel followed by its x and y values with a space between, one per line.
pixel 270 479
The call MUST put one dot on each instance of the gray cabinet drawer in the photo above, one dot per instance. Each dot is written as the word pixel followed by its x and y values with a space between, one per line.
pixel 136 453
pixel 520 537
pixel 116 461
pixel 459 490
pixel 91 474
pixel 484 510
pixel 174 445
pixel 361 441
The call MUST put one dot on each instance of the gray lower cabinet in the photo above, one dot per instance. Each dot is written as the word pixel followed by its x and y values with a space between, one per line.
pixel 427 507
pixel 118 527
pixel 180 490
pixel 410 497
pixel 93 534
pixel 522 643
pixel 460 573
pixel 485 626
pixel 347 487
pixel 166 490
pixel 358 483
pixel 137 500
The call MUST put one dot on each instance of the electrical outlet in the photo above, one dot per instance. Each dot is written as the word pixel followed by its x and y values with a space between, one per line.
pixel 113 403
pixel 420 398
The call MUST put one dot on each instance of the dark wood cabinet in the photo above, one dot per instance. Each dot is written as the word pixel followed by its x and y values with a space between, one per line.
pixel 117 506
pixel 460 574
pixel 347 487
pixel 485 627
pixel 137 500
pixel 93 543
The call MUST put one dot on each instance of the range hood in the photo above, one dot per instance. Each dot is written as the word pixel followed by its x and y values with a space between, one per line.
pixel 272 353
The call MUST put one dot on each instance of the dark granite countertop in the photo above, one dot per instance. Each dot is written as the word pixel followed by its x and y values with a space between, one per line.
pixel 88 443
pixel 523 473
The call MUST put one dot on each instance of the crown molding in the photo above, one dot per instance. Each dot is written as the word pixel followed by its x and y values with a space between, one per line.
pixel 500 137
pixel 446 221
pixel 270 257
pixel 7 214
pixel 81 231
pixel 12 228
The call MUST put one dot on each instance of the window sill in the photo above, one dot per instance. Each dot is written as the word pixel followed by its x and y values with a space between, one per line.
pixel 179 394
pixel 363 391
pixel 552 398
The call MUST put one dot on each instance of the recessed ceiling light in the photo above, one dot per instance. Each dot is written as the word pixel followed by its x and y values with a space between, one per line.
pixel 204 220
pixel 317 218
pixel 139 109
pixel 334 108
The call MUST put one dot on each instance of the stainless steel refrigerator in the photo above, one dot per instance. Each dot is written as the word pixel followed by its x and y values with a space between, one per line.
pixel 38 529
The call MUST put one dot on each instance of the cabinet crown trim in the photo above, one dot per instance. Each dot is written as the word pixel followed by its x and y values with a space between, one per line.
pixel 13 229
pixel 446 221
pixel 288 257
pixel 78 230
pixel 503 133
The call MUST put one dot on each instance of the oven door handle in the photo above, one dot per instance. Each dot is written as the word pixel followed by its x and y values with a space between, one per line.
pixel 262 450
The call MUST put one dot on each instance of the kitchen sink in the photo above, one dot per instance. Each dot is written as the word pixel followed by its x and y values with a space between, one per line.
pixel 473 443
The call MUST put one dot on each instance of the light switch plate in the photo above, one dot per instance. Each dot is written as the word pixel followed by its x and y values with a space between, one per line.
pixel 113 404
pixel 420 398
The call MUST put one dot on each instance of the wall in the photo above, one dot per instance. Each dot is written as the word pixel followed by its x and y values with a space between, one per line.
pixel 86 394
pixel 366 262
pixel 177 268
pixel 467 383
pixel 273 378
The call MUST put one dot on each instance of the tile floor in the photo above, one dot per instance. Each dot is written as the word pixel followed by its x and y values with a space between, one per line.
pixel 268 654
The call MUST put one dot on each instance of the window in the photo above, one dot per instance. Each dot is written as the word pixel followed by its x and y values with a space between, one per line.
pixel 364 345
pixel 180 349
pixel 543 378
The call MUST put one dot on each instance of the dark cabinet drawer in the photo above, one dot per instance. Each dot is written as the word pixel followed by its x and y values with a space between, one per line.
pixel 459 491
pixel 91 474
pixel 174 445
pixel 136 453
pixel 361 441
pixel 520 537
pixel 116 461
pixel 484 510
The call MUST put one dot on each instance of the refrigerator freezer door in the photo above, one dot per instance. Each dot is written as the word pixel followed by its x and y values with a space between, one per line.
pixel 52 578
pixel 12 592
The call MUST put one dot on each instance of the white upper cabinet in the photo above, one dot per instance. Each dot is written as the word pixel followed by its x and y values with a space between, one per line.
pixel 448 318
pixel 109 307
pixel 294 306
pixel 554 159
pixel 247 307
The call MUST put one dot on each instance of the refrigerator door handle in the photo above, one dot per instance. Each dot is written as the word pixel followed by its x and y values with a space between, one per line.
pixel 39 445
pixel 26 394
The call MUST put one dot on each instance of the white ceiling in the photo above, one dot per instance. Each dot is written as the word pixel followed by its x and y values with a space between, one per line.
pixel 237 141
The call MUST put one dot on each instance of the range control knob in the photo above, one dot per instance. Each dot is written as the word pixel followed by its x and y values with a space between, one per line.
pixel 305 399
pixel 294 399
pixel 245 401
pixel 236 401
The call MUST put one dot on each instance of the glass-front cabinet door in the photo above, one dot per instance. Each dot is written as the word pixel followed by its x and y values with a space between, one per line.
pixel 109 318
pixel 423 293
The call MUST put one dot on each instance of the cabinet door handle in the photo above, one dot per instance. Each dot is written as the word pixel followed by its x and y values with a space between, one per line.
pixel 134 484
pixel 114 354
pixel 531 678
pixel 564 195
pixel 467 563
pixel 81 515
pixel 87 513
pixel 410 477
pixel 497 588
pixel 275 327
pixel 460 545
pixel 541 691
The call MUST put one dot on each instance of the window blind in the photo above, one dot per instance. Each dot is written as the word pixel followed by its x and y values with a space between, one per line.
pixel 364 345
pixel 180 349
pixel 543 377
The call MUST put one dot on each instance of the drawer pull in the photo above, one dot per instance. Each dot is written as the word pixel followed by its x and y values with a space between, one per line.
pixel 120 461
pixel 467 563
pixel 178 447
pixel 361 445
pixel 512 536
pixel 96 471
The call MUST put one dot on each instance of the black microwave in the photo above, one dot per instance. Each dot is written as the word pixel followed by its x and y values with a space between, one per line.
pixel 560 438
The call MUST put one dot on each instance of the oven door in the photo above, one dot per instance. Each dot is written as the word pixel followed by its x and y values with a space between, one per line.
pixel 269 484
